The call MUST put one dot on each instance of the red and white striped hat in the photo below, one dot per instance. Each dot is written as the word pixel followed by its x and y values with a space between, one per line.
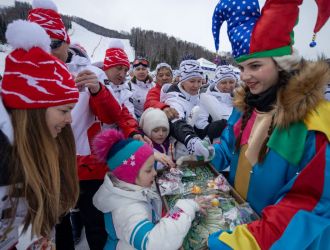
pixel 45 14
pixel 33 78
pixel 115 55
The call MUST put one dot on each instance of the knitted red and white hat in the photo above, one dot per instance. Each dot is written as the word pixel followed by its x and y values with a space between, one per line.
pixel 115 55
pixel 45 14
pixel 33 78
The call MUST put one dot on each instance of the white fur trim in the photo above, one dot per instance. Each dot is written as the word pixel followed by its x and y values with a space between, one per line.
pixel 289 62
pixel 25 35
pixel 153 118
pixel 116 43
pixel 44 4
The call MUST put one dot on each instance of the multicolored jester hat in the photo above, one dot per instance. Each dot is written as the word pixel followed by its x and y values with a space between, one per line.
pixel 268 34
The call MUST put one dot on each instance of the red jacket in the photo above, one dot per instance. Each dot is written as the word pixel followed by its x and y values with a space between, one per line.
pixel 153 97
pixel 105 106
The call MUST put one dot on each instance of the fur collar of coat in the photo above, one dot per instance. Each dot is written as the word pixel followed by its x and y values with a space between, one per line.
pixel 303 92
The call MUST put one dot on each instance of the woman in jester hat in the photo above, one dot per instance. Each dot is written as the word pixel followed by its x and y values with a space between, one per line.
pixel 277 138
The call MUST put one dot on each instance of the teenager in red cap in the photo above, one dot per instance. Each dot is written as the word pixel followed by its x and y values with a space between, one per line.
pixel 37 145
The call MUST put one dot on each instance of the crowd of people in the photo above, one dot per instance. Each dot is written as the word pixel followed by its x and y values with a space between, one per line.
pixel 81 143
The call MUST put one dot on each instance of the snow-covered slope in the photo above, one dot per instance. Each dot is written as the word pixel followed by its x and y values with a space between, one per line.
pixel 95 45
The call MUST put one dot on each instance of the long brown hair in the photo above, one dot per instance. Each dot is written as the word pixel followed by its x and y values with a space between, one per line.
pixel 44 168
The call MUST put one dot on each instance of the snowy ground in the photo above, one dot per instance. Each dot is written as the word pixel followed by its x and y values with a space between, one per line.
pixel 95 45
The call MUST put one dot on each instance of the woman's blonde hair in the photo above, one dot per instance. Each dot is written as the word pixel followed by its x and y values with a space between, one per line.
pixel 43 169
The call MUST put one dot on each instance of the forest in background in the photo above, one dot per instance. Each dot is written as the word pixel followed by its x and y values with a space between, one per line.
pixel 155 46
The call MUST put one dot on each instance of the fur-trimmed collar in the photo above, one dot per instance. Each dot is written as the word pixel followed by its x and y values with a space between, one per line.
pixel 298 97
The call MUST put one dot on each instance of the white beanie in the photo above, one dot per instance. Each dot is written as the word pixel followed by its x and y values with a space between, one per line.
pixel 153 118
pixel 189 69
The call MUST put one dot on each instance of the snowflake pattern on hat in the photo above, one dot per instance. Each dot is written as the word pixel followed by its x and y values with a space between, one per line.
pixel 130 162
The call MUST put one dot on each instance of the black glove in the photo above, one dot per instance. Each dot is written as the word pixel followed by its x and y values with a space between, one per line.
pixel 215 128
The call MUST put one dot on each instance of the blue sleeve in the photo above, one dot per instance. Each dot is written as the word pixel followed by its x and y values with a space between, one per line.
pixel 224 150
pixel 214 243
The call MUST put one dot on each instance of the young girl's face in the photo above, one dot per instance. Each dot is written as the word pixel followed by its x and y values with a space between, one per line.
pixel 226 85
pixel 259 74
pixel 159 134
pixel 164 75
pixel 141 72
pixel 58 117
pixel 192 85
pixel 147 173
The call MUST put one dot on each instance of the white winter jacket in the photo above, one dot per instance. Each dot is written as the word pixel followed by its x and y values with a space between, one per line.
pixel 132 216
pixel 213 103
pixel 184 104
pixel 181 101
pixel 124 96
pixel 140 90
pixel 82 115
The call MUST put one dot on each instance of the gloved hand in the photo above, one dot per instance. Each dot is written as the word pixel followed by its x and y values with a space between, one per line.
pixel 200 148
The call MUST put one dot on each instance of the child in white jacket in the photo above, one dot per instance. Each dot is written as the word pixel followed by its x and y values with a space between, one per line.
pixel 155 125
pixel 131 205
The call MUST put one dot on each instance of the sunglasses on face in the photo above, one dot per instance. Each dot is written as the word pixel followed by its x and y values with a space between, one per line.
pixel 56 44
pixel 140 61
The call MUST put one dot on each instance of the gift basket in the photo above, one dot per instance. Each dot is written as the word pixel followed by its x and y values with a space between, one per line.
pixel 199 178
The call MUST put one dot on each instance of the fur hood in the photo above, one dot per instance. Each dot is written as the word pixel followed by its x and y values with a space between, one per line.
pixel 298 97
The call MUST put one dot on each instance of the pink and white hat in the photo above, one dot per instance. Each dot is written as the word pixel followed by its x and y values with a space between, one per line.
pixel 124 157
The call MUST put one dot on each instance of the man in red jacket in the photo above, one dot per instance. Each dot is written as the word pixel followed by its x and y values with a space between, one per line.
pixel 163 75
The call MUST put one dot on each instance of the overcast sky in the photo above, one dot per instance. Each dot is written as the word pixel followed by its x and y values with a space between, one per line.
pixel 188 20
